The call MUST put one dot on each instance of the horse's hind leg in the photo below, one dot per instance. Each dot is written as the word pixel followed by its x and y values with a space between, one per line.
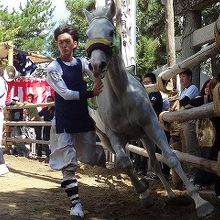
pixel 150 147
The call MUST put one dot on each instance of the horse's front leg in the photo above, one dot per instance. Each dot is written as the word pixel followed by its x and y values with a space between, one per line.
pixel 123 161
pixel 203 207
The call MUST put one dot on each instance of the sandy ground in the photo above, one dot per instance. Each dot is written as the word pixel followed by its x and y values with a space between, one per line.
pixel 31 191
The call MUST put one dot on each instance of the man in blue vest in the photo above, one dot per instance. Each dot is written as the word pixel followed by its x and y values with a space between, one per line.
pixel 75 136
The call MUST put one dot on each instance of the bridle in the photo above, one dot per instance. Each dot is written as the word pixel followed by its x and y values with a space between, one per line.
pixel 102 43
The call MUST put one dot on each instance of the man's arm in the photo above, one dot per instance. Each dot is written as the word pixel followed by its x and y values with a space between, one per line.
pixel 54 78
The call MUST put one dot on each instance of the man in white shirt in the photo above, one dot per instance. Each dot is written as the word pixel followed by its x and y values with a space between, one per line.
pixel 188 128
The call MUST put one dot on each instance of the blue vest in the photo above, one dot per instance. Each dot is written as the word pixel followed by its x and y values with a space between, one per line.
pixel 72 116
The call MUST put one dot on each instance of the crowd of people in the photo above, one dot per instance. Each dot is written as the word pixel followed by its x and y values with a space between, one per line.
pixel 39 133
pixel 197 137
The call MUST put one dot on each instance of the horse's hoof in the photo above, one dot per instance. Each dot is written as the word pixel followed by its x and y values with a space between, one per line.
pixel 145 199
pixel 123 162
pixel 143 186
pixel 205 209
pixel 145 183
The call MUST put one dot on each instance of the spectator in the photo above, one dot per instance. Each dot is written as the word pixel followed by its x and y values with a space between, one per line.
pixel 18 149
pixel 159 104
pixel 3 94
pixel 32 115
pixel 187 129
pixel 203 178
pixel 47 113
pixel 16 115
pixel 156 99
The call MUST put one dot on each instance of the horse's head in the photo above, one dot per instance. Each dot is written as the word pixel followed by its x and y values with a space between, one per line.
pixel 101 34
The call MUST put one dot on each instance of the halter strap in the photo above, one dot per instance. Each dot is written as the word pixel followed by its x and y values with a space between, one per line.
pixel 98 40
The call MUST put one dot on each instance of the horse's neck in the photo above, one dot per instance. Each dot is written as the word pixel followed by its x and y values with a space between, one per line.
pixel 117 76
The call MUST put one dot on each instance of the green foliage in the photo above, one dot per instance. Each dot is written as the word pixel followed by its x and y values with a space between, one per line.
pixel 210 14
pixel 146 50
pixel 151 47
pixel 29 26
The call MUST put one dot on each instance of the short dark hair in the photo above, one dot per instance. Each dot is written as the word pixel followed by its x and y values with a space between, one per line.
pixel 151 75
pixel 30 95
pixel 188 72
pixel 73 31
pixel 50 97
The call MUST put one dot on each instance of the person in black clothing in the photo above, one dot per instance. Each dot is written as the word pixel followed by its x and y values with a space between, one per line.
pixel 16 114
pixel 157 103
pixel 18 149
pixel 47 113
pixel 155 97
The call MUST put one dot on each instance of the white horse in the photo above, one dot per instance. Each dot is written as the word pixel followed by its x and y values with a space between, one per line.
pixel 125 109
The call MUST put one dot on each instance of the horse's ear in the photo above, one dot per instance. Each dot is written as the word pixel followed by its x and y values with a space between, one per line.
pixel 88 15
pixel 112 10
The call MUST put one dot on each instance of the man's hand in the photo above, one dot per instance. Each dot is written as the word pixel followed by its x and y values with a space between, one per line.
pixel 98 86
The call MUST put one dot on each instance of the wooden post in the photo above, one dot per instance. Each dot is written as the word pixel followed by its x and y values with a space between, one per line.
pixel 191 22
pixel 171 58
pixel 170 33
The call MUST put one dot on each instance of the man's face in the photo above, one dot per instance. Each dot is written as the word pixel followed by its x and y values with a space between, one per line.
pixel 29 99
pixel 147 81
pixel 185 80
pixel 66 45
pixel 49 99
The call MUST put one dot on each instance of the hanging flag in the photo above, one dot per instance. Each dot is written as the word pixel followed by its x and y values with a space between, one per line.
pixel 23 86
pixel 23 64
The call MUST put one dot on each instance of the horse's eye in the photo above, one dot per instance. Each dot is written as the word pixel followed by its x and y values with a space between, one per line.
pixel 112 33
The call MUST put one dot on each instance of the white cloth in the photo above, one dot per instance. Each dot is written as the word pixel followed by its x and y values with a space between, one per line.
pixel 192 91
pixel 66 149
pixel 54 78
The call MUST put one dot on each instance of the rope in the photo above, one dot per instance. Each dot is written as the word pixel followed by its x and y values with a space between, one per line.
pixel 99 40
pixel 161 84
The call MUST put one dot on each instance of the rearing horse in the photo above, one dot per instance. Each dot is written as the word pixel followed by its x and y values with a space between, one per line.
pixel 125 109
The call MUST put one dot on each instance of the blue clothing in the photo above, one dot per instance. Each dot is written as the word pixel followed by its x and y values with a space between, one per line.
pixel 72 116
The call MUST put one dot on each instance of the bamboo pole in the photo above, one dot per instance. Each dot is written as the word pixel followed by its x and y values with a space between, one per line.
pixel 27 123
pixel 204 111
pixel 191 61
pixel 25 140
pixel 29 105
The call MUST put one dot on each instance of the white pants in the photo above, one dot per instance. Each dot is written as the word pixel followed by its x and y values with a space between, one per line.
pixel 67 148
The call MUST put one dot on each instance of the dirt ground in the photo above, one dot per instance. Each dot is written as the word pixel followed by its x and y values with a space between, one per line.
pixel 31 191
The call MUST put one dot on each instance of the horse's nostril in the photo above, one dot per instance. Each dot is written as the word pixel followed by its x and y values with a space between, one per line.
pixel 90 67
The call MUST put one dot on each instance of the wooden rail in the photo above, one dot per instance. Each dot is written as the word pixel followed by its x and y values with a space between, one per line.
pixel 207 165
